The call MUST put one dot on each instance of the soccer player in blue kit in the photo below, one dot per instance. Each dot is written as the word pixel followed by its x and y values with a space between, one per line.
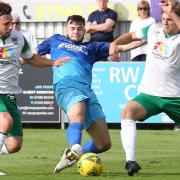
pixel 73 90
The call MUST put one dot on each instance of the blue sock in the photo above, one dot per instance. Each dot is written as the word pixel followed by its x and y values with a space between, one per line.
pixel 74 133
pixel 89 146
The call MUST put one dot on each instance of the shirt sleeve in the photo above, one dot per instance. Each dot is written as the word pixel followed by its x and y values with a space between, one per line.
pixel 26 51
pixel 33 41
pixel 45 47
pixel 113 15
pixel 131 29
pixel 90 18
pixel 142 33
pixel 102 50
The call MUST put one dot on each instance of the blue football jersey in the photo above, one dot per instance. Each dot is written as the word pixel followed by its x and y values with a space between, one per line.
pixel 83 56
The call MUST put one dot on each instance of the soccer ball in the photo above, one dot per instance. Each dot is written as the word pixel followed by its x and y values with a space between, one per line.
pixel 90 164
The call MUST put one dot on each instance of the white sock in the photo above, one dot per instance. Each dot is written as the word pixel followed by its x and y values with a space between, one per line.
pixel 128 138
pixel 77 148
pixel 4 150
pixel 2 139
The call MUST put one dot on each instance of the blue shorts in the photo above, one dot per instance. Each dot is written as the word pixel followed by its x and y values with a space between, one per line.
pixel 69 92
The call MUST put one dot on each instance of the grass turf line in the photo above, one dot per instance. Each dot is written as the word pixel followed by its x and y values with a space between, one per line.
pixel 158 152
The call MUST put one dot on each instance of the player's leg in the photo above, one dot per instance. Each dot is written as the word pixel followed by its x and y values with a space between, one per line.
pixel 12 144
pixel 76 115
pixel 10 125
pixel 140 108
pixel 6 123
pixel 171 107
pixel 100 138
pixel 96 127
pixel 72 100
pixel 132 111
pixel 76 105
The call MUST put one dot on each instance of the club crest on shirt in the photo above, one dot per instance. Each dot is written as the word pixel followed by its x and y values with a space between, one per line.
pixel 14 40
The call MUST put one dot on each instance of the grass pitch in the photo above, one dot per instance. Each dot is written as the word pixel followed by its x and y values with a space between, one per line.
pixel 158 152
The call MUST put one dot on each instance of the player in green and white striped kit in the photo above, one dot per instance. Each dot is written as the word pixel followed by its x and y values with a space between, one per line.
pixel 160 86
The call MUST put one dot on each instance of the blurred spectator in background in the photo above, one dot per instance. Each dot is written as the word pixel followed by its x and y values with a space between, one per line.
pixel 27 34
pixel 101 23
pixel 144 19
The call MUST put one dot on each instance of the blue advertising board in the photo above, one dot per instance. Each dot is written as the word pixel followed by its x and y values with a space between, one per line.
pixel 115 83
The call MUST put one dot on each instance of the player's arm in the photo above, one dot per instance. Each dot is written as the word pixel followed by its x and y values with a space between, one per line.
pixel 104 27
pixel 126 39
pixel 115 46
pixel 130 46
pixel 22 61
pixel 37 60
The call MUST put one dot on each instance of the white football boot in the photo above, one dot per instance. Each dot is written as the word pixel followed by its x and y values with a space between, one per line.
pixel 2 173
pixel 68 158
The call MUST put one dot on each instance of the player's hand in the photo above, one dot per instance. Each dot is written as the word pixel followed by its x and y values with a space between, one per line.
pixel 113 52
pixel 60 61
pixel 167 5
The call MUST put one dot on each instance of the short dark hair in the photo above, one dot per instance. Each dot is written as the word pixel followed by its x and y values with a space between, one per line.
pixel 5 8
pixel 77 19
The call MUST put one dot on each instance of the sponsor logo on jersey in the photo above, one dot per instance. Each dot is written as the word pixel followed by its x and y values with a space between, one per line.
pixel 6 54
pixel 73 47
pixel 161 50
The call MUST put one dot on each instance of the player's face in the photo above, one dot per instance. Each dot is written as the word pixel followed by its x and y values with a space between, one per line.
pixel 5 25
pixel 168 25
pixel 75 32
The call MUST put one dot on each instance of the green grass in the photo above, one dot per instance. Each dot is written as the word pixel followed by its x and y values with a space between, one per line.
pixel 158 152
